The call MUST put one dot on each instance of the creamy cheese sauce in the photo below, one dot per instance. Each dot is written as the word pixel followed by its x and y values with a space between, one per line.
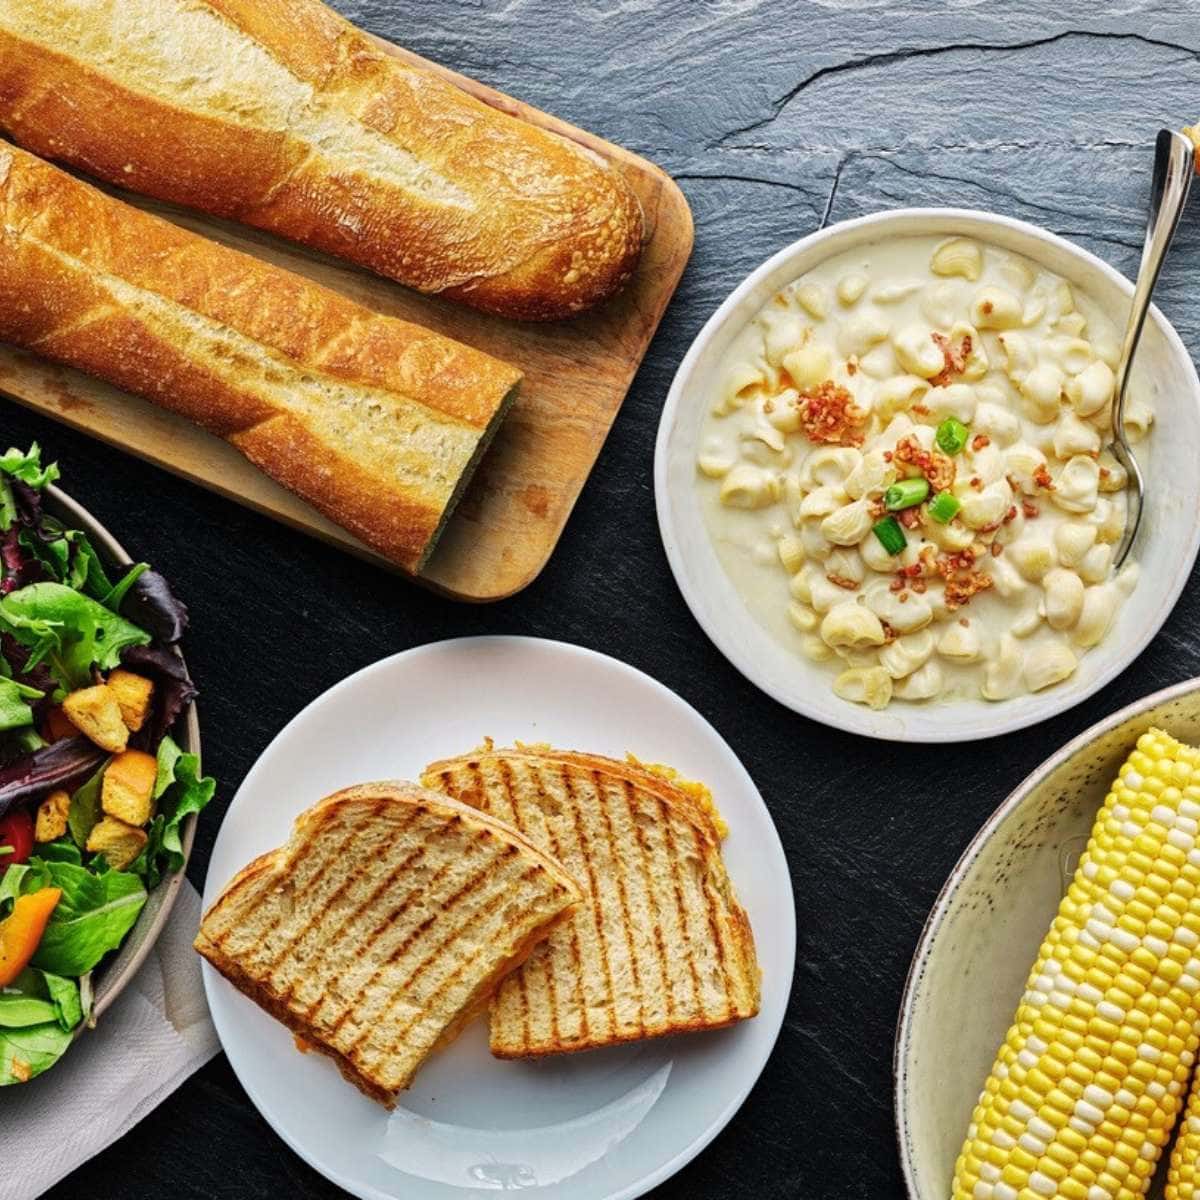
pixel 871 369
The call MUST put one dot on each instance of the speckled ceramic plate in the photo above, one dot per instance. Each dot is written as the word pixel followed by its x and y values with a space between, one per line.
pixel 112 977
pixel 1165 549
pixel 604 1125
pixel 986 927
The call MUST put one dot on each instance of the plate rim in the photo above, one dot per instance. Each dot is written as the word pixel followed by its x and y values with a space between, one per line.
pixel 213 979
pixel 725 637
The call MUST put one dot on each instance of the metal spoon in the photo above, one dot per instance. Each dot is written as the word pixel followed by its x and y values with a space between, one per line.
pixel 1173 169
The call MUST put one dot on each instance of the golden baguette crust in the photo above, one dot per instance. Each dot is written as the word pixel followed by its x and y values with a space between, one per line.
pixel 375 422
pixel 384 925
pixel 661 945
pixel 281 114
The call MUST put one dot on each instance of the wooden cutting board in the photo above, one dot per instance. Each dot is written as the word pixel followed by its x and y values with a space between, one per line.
pixel 576 376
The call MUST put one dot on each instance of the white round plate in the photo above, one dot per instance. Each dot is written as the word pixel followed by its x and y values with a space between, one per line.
pixel 1165 549
pixel 604 1125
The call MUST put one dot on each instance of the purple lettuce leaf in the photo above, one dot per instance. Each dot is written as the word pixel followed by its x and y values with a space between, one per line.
pixel 65 764
pixel 151 604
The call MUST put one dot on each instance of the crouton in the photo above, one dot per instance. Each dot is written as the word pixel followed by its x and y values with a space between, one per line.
pixel 52 816
pixel 127 792
pixel 134 694
pixel 94 711
pixel 118 842
pixel 57 725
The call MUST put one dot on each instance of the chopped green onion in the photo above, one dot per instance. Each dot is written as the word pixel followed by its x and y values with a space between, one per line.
pixel 906 493
pixel 944 507
pixel 952 435
pixel 8 850
pixel 891 536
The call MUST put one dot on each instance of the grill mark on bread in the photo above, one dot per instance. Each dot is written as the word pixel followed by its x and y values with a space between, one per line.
pixel 504 767
pixel 456 974
pixel 482 878
pixel 340 890
pixel 714 922
pixel 593 895
pixel 535 771
pixel 651 900
pixel 664 813
pixel 618 863
pixel 418 931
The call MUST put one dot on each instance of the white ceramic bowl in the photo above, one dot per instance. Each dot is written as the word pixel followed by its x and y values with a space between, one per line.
pixel 987 925
pixel 1165 549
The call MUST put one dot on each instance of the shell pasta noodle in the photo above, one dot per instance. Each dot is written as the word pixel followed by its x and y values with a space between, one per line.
pixel 1087 1085
pixel 903 472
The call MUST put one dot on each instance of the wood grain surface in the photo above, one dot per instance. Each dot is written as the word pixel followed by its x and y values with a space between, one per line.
pixel 577 373
pixel 776 116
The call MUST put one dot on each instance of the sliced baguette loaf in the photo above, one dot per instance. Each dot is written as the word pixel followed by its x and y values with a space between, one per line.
pixel 384 925
pixel 661 944
pixel 281 114
pixel 375 422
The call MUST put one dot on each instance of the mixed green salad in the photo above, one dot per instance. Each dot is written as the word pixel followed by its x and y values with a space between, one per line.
pixel 93 789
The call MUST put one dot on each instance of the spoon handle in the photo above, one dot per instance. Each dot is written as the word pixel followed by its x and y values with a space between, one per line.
pixel 1173 170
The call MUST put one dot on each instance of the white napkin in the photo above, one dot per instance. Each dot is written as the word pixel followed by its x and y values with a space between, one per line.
pixel 152 1038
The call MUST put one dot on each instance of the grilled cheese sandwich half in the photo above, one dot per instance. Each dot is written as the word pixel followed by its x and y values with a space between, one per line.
pixel 660 945
pixel 384 925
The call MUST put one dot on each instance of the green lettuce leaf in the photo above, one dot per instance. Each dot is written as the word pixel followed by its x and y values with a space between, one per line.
pixel 67 629
pixel 85 808
pixel 26 1053
pixel 180 791
pixel 92 917
pixel 27 467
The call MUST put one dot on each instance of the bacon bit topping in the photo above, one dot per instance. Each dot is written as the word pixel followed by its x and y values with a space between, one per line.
pixel 842 581
pixel 890 634
pixel 986 308
pixel 962 579
pixel 768 406
pixel 887 456
pixel 896 585
pixel 1042 478
pixel 877 508
pixel 964 622
pixel 980 440
pixel 1104 472
pixel 921 410
pixel 1029 508
pixel 954 357
pixel 1011 515
pixel 937 467
pixel 910 518
pixel 997 549
pixel 851 366
pixel 903 597
pixel 918 586
pixel 977 483
pixel 829 415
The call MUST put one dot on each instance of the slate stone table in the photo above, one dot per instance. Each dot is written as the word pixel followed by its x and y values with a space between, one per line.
pixel 776 116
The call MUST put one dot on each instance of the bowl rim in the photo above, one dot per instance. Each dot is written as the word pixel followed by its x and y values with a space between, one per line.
pixel 120 970
pixel 724 634
pixel 941 904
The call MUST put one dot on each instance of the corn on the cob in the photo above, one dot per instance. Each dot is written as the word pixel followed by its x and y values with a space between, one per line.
pixel 1183 1173
pixel 1086 1087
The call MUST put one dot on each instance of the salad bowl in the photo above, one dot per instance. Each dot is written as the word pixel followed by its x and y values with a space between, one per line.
pixel 115 974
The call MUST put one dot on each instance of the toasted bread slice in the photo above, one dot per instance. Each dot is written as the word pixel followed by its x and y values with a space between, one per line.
pixel 661 945
pixel 384 925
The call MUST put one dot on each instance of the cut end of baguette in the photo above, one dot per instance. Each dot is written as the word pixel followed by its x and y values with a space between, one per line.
pixel 660 946
pixel 384 925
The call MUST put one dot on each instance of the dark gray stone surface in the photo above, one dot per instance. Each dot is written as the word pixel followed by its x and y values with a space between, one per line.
pixel 775 115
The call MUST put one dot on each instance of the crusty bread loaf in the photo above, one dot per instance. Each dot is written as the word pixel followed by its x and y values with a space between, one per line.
pixel 281 114
pixel 384 925
pixel 660 945
pixel 376 422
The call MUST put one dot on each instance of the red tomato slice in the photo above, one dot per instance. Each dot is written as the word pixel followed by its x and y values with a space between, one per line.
pixel 16 830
